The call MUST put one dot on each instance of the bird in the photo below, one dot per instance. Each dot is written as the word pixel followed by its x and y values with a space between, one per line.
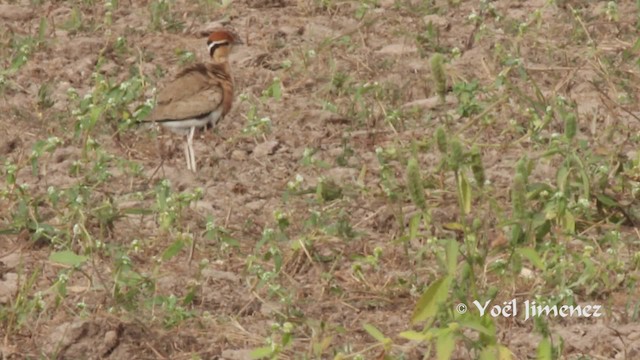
pixel 200 95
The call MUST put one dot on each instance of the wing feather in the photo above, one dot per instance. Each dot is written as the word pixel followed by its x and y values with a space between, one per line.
pixel 191 95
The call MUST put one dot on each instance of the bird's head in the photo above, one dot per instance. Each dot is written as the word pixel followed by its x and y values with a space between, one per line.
pixel 220 43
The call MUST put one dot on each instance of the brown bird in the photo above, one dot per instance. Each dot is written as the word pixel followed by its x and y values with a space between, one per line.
pixel 200 95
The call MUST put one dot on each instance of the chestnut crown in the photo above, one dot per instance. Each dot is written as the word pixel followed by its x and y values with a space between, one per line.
pixel 219 43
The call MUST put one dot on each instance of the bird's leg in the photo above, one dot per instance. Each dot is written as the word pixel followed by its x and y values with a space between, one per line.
pixel 187 150
pixel 186 153
pixel 191 152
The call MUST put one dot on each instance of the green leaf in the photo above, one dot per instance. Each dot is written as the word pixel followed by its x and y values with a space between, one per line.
pixel 414 226
pixel 172 250
pixel 375 333
pixel 477 326
pixel 414 184
pixel 608 201
pixel 464 192
pixel 586 185
pixel 320 347
pixel 569 222
pixel 137 211
pixel 42 30
pixel 561 177
pixel 261 352
pixel 413 335
pixel 495 352
pixel 67 257
pixel 452 257
pixel 230 241
pixel 544 350
pixel 429 302
pixel 531 255
pixel 445 344
pixel 276 90
pixel 8 231
pixel 453 226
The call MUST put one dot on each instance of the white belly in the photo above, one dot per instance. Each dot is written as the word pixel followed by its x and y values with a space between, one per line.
pixel 183 126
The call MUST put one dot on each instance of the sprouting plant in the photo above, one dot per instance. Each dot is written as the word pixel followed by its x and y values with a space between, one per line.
pixel 44 96
pixel 169 205
pixel 185 57
pixel 389 181
pixel 109 103
pixel 26 305
pixel 161 16
pixel 612 11
pixel 174 312
pixel 219 234
pixel 22 48
pixel 41 147
pixel 258 127
pixel 362 10
pixel 428 40
pixel 466 94
pixel 121 47
pixel 414 184
pixel 308 159
pixel 327 190
pixel 279 340
pixel 274 90
pixel 477 167
pixel 75 21
pixel 109 6
pixel 439 75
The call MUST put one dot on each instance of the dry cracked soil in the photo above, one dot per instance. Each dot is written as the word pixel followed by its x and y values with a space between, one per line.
pixel 292 179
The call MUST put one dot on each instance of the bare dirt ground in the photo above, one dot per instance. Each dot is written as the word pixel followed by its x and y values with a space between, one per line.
pixel 257 248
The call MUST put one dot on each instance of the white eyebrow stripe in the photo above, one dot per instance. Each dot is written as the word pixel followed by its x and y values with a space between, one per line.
pixel 214 43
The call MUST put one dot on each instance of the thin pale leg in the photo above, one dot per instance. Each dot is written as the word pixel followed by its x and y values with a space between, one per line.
pixel 186 154
pixel 192 154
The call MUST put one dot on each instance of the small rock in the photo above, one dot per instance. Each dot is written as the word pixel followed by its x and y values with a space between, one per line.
pixel 386 4
pixel 269 308
pixel 213 274
pixel 398 49
pixel 239 155
pixel 317 31
pixel 110 341
pixel 323 117
pixel 527 274
pixel 15 13
pixel 66 334
pixel 260 4
pixel 432 102
pixel 437 21
pixel 266 148
pixel 110 69
pixel 60 96
pixel 255 205
pixel 290 30
pixel 12 260
pixel 237 354
pixel 342 175
pixel 8 287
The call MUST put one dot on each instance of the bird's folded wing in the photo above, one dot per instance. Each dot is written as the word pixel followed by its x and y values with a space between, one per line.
pixel 187 97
